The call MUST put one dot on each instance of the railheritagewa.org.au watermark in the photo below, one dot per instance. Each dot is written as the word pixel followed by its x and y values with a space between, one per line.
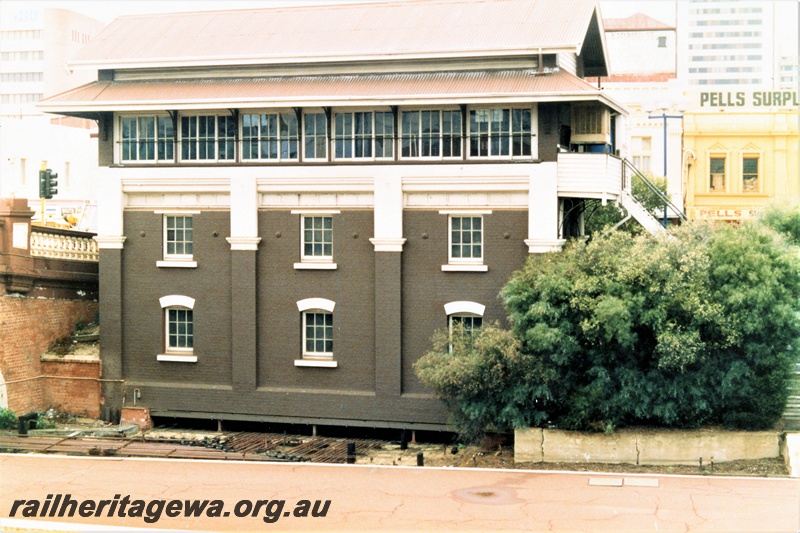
pixel 151 511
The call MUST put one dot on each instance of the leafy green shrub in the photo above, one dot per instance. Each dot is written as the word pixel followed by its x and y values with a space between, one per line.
pixel 8 419
pixel 470 372
pixel 699 329
pixel 784 217
pixel 45 421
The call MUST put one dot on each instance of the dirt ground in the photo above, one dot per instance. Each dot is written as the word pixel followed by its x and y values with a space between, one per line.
pixel 83 342
pixel 503 457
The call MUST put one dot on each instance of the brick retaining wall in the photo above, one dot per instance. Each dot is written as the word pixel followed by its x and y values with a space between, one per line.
pixel 28 327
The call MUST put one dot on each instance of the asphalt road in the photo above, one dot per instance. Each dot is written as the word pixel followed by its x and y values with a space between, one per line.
pixel 371 498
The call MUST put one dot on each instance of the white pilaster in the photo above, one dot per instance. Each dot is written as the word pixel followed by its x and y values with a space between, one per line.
pixel 244 213
pixel 110 209
pixel 388 212
pixel 543 210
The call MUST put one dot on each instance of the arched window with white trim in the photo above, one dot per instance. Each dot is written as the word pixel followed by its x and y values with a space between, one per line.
pixel 468 315
pixel 178 329
pixel 317 326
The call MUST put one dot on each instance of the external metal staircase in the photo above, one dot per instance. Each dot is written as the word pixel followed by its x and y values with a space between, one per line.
pixel 635 209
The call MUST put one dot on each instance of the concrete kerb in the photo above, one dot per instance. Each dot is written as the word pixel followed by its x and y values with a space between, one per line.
pixel 649 447
pixel 790 450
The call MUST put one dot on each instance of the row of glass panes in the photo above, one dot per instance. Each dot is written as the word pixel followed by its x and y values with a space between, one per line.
pixel 366 135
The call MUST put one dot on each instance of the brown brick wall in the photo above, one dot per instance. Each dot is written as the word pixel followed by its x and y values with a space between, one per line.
pixel 27 328
pixel 245 368
pixel 351 286
pixel 426 288
pixel 209 284
pixel 72 386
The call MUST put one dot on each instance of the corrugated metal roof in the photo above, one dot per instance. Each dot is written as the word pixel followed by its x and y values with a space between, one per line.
pixel 340 32
pixel 320 90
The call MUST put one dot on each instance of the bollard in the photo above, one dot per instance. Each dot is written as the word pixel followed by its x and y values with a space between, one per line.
pixel 403 440
pixel 351 453
pixel 420 459
pixel 24 422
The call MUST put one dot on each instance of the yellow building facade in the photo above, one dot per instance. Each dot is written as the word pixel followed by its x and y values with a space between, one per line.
pixel 740 153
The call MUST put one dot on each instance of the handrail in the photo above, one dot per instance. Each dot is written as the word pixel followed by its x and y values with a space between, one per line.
pixel 663 198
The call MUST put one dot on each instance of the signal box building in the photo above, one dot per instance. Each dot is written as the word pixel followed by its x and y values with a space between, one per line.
pixel 293 200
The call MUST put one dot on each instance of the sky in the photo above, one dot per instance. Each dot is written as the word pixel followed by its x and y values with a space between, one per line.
pixel 107 10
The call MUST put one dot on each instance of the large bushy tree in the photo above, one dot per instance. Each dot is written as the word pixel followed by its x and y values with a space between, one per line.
pixel 700 328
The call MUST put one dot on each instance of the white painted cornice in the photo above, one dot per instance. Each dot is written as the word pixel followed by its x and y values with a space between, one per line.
pixel 388 245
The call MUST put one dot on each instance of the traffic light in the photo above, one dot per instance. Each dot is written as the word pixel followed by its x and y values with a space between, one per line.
pixel 42 182
pixel 48 183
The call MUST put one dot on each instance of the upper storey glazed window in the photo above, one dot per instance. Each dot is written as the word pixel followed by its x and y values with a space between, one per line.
pixel 208 138
pixel 431 134
pixel 315 132
pixel 270 136
pixel 500 132
pixel 363 135
pixel 318 135
pixel 147 139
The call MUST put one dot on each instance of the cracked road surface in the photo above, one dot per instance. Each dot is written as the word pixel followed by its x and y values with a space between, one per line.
pixel 387 498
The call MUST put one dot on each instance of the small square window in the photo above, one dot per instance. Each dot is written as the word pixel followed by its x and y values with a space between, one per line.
pixel 180 330
pixel 662 42
pixel 750 174
pixel 317 238
pixel 717 174
pixel 178 241
pixel 469 324
pixel 466 239
pixel 178 237
pixel 317 334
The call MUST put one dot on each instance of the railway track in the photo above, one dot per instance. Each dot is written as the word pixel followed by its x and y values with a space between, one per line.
pixel 240 446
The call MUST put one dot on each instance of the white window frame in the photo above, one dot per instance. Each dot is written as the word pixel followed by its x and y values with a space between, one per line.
pixel 281 140
pixel 314 262
pixel 310 358
pixel 760 174
pixel 726 175
pixel 176 354
pixel 416 137
pixel 465 264
pixel 352 138
pixel 639 154
pixel 305 137
pixel 462 309
pixel 182 139
pixel 176 260
pixel 156 140
pixel 511 132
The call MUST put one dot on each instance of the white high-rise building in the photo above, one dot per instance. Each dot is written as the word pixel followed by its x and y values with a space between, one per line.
pixel 35 46
pixel 730 43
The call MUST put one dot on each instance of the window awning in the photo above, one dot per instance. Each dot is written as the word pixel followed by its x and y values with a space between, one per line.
pixel 438 88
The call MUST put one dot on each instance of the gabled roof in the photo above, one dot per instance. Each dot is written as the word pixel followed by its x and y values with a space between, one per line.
pixel 380 30
pixel 636 22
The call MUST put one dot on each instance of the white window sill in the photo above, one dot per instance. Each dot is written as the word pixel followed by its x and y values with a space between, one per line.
pixel 316 363
pixel 176 264
pixel 465 268
pixel 172 358
pixel 315 266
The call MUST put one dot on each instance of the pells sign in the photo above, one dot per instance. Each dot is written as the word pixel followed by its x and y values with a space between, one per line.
pixel 758 99
pixel 725 214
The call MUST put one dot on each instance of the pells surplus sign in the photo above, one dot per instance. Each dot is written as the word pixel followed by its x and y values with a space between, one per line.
pixel 760 99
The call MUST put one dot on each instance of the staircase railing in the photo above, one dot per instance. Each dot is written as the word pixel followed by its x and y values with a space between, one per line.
pixel 662 198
